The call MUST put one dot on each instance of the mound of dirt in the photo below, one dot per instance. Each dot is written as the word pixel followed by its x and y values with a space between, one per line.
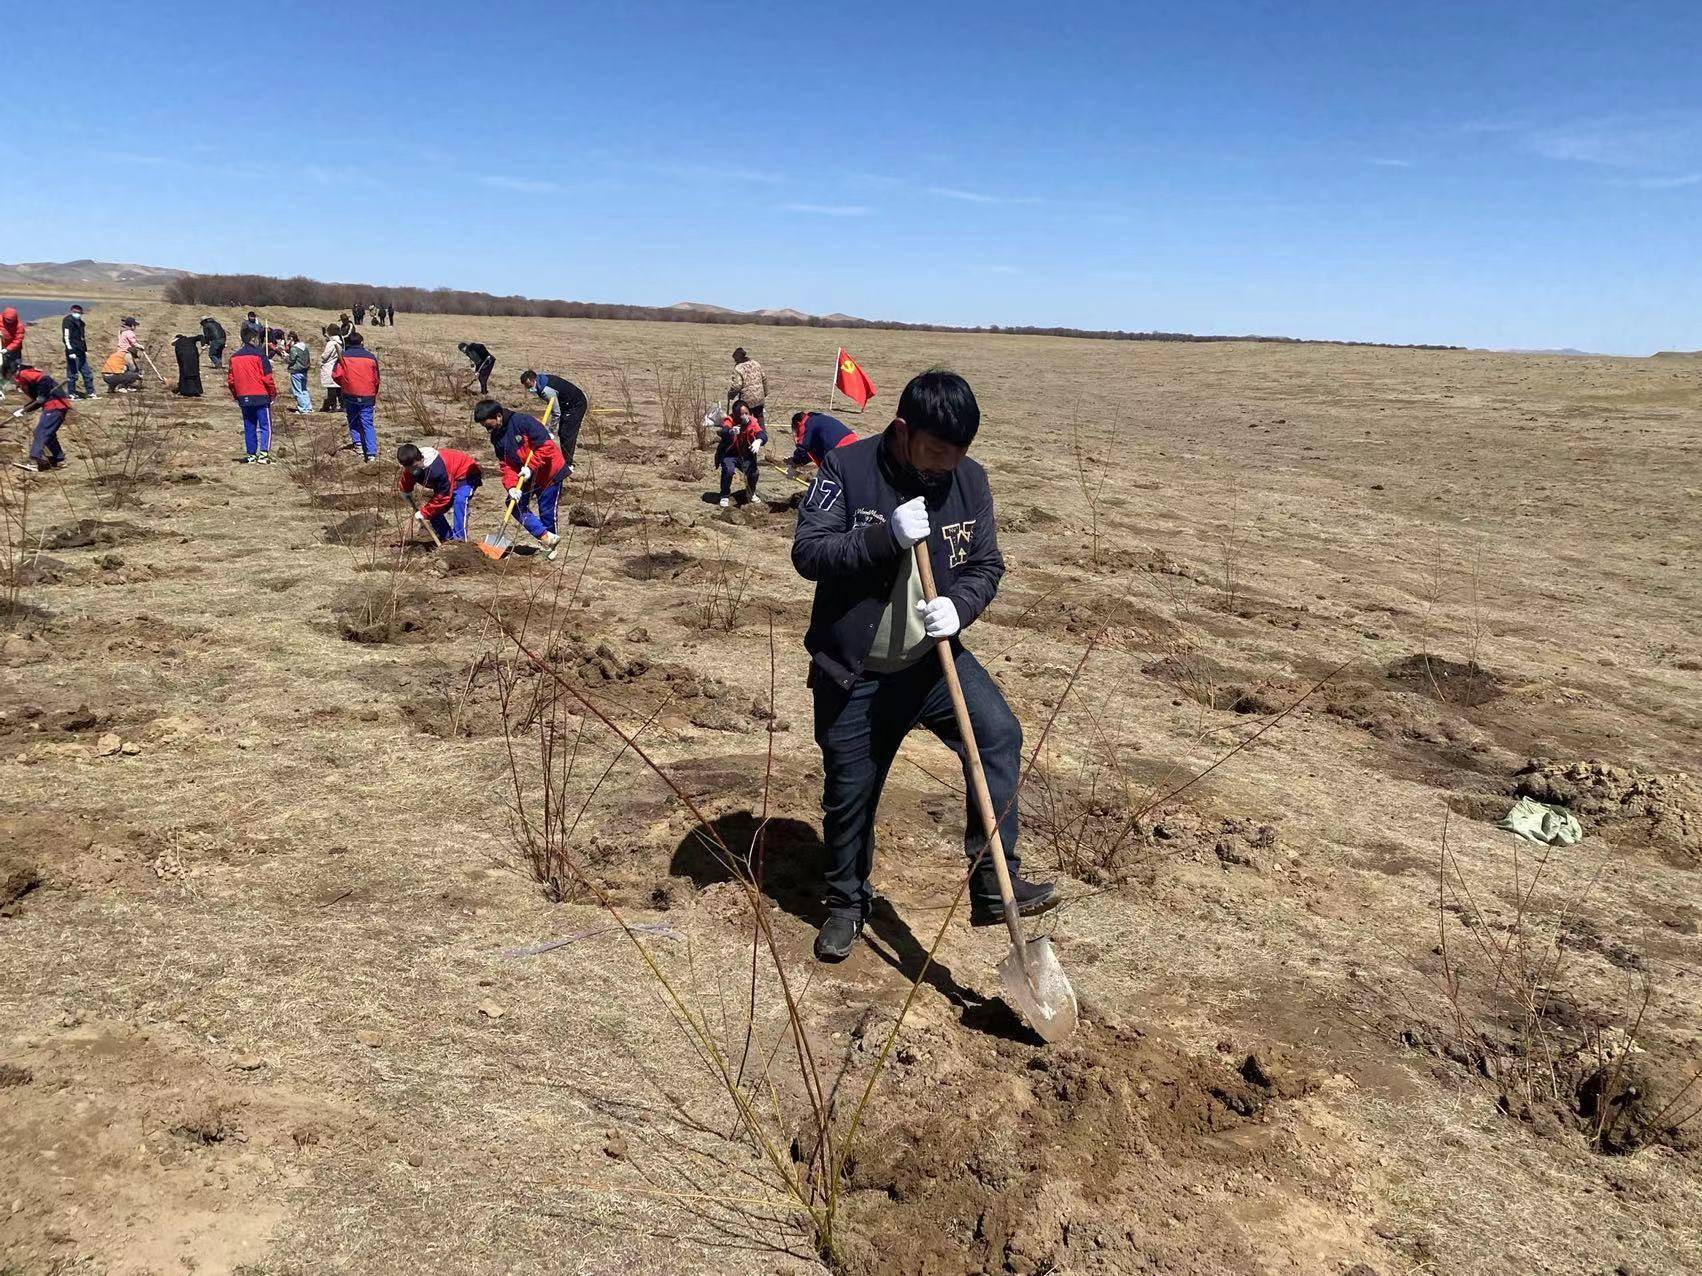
pixel 663 564
pixel 1446 680
pixel 1624 804
pixel 356 529
pixel 386 610
pixel 1056 1160
pixel 90 531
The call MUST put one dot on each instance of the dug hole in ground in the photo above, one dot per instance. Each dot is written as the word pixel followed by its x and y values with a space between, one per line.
pixel 297 975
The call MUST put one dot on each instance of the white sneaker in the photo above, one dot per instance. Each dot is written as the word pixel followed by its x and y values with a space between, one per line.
pixel 725 502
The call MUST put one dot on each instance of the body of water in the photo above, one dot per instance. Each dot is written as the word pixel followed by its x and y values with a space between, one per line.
pixel 34 309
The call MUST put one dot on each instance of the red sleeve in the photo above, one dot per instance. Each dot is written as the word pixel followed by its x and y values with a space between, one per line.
pixel 271 385
pixel 439 502
pixel 230 378
pixel 406 482
pixel 510 474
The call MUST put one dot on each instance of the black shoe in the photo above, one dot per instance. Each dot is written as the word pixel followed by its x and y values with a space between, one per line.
pixel 837 937
pixel 986 908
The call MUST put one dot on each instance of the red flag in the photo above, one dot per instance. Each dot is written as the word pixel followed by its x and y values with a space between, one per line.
pixel 852 381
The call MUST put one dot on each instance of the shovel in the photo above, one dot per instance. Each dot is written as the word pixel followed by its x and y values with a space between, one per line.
pixel 496 544
pixel 435 538
pixel 1034 982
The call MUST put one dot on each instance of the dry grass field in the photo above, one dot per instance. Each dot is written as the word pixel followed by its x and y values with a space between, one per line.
pixel 272 992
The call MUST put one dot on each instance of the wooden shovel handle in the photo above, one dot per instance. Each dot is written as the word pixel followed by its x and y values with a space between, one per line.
pixel 972 758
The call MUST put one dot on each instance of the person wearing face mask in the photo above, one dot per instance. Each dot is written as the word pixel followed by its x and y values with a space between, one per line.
pixel 450 477
pixel 76 336
pixel 874 675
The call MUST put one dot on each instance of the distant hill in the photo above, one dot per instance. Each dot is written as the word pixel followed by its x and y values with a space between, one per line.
pixel 783 314
pixel 702 307
pixel 1676 354
pixel 86 273
pixel 1562 350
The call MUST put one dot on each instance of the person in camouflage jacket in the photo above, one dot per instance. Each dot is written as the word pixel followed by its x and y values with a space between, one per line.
pixel 749 385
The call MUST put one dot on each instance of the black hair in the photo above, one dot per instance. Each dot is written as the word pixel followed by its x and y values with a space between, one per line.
pixel 408 456
pixel 797 417
pixel 941 403
pixel 353 339
pixel 485 409
pixel 461 346
pixel 250 333
pixel 527 377
pixel 739 355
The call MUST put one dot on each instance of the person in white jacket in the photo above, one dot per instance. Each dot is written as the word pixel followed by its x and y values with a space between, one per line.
pixel 328 357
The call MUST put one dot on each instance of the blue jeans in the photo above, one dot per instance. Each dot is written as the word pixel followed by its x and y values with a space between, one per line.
pixel 362 433
pixel 75 363
pixel 545 519
pixel 859 732
pixel 257 428
pixel 45 443
pixel 440 522
pixel 298 387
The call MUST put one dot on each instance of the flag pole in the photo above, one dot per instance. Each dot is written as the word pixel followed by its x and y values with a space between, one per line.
pixel 833 381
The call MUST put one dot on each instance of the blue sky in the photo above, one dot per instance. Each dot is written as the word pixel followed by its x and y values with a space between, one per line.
pixel 1502 174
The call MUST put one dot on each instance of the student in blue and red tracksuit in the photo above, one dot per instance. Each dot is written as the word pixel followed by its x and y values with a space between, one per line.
pixel 532 466
pixel 356 375
pixel 817 434
pixel 251 385
pixel 741 442
pixel 452 477
pixel 50 400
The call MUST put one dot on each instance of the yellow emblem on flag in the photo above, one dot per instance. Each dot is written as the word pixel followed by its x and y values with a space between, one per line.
pixel 850 365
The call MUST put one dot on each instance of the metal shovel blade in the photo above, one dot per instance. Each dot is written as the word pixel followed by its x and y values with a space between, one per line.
pixel 495 545
pixel 1041 993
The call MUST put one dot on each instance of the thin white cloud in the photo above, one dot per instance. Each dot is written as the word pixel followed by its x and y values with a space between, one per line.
pixel 1390 163
pixel 1673 182
pixel 829 210
pixel 980 197
pixel 520 185
pixel 1670 140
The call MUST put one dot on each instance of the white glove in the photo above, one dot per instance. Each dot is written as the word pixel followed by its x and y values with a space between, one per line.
pixel 419 516
pixel 910 523
pixel 939 618
pixel 756 446
pixel 513 494
pixel 525 475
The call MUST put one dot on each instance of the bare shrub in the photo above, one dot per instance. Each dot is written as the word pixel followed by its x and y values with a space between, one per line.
pixel 1511 1015
pixel 723 592
pixel 14 542
pixel 1092 488
pixel 126 448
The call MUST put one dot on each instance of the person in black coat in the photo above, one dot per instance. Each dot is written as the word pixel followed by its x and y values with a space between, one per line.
pixel 874 670
pixel 213 337
pixel 187 349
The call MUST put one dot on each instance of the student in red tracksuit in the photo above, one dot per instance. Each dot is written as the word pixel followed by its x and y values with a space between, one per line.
pixel 249 377
pixel 452 477
pixel 532 465
pixel 741 441
pixel 50 400
pixel 816 434
pixel 12 330
pixel 356 375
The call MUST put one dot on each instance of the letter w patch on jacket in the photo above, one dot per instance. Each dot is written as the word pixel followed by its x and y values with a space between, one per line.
pixel 957 537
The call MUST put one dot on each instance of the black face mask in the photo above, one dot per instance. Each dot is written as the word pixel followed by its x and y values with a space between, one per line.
pixel 419 473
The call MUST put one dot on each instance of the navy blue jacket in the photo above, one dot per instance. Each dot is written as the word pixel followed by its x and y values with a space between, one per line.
pixel 844 543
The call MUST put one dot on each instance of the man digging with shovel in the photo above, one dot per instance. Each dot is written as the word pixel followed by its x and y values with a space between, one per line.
pixel 874 639
pixel 532 467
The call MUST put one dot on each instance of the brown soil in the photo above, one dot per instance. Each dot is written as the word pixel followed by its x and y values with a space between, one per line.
pixel 277 996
